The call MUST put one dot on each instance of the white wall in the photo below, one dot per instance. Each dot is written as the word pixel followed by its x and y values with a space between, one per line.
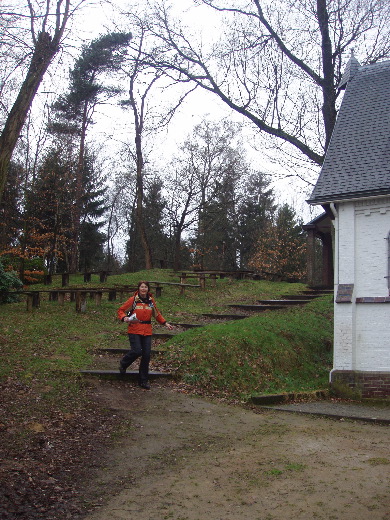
pixel 372 227
pixel 362 330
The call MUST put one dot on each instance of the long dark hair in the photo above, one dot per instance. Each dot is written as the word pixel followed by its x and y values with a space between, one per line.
pixel 146 283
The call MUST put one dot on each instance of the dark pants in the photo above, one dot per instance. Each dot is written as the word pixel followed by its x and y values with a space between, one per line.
pixel 139 346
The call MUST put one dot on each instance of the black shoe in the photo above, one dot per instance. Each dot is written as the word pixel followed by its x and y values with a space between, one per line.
pixel 145 386
pixel 122 370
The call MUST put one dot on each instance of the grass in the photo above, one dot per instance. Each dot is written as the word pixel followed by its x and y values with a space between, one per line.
pixel 279 351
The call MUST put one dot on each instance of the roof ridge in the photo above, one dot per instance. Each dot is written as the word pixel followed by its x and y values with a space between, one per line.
pixel 350 70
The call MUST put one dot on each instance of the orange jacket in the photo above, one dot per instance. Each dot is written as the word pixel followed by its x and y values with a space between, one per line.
pixel 143 312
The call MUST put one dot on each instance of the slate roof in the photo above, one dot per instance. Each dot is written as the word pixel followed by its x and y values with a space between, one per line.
pixel 357 162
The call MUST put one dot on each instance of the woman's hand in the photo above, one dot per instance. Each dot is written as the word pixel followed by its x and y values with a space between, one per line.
pixel 169 326
pixel 128 319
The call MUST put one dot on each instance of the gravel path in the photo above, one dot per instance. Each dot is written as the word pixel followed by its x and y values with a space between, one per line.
pixel 189 458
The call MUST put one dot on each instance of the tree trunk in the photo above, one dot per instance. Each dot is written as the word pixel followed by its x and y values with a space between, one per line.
pixel 328 89
pixel 76 213
pixel 44 52
pixel 176 258
pixel 139 209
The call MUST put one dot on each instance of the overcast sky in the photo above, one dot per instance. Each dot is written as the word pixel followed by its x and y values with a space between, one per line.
pixel 110 121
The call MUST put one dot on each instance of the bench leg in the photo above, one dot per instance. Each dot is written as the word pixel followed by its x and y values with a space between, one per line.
pixel 81 301
pixel 29 302
pixel 36 300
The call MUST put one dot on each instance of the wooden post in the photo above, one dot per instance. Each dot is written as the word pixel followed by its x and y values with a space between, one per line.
pixel 53 296
pixel 111 295
pixel 98 297
pixel 87 277
pixel 103 276
pixel 202 281
pixel 61 298
pixel 36 301
pixel 158 290
pixel 65 279
pixel 182 289
pixel 213 278
pixel 81 301
pixel 33 300
pixel 47 279
pixel 183 278
pixel 29 302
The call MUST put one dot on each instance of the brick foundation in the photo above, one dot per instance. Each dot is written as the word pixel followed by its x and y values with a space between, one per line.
pixel 367 384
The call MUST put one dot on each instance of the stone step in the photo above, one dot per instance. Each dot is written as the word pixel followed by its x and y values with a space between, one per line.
pixel 300 296
pixel 130 374
pixel 318 292
pixel 270 399
pixel 187 325
pixel 283 302
pixel 120 350
pixel 254 307
pixel 226 316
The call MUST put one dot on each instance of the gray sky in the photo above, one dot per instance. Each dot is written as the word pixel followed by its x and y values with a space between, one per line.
pixel 111 127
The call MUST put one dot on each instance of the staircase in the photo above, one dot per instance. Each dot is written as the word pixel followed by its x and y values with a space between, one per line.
pixel 108 358
pixel 285 301
pixel 107 362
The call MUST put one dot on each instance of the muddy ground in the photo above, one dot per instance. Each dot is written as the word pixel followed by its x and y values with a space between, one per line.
pixel 181 457
pixel 189 458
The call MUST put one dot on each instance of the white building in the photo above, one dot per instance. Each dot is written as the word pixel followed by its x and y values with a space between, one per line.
pixel 354 189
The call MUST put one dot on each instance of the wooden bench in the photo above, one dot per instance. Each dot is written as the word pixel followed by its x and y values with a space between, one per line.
pixel 79 294
pixel 128 288
pixel 201 277
pixel 213 275
pixel 103 275
pixel 181 285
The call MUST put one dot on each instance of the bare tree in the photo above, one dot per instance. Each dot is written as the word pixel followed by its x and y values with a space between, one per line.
pixel 47 22
pixel 280 62
pixel 183 208
pixel 208 164
pixel 141 82
pixel 148 117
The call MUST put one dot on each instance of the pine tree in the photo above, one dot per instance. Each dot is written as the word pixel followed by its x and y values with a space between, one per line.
pixel 74 111
pixel 255 212
pixel 280 250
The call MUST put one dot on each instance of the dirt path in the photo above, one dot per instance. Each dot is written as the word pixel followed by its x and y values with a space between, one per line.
pixel 187 458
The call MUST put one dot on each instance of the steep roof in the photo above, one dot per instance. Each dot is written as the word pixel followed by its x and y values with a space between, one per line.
pixel 357 162
pixel 350 70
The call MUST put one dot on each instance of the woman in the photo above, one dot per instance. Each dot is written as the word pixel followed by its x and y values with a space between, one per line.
pixel 137 311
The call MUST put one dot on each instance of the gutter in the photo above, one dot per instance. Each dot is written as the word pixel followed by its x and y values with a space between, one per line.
pixel 351 198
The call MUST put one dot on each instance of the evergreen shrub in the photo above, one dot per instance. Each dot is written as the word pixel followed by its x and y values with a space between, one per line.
pixel 8 280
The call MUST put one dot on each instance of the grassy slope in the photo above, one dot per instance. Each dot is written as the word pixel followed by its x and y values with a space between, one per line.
pixel 272 352
pixel 266 353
